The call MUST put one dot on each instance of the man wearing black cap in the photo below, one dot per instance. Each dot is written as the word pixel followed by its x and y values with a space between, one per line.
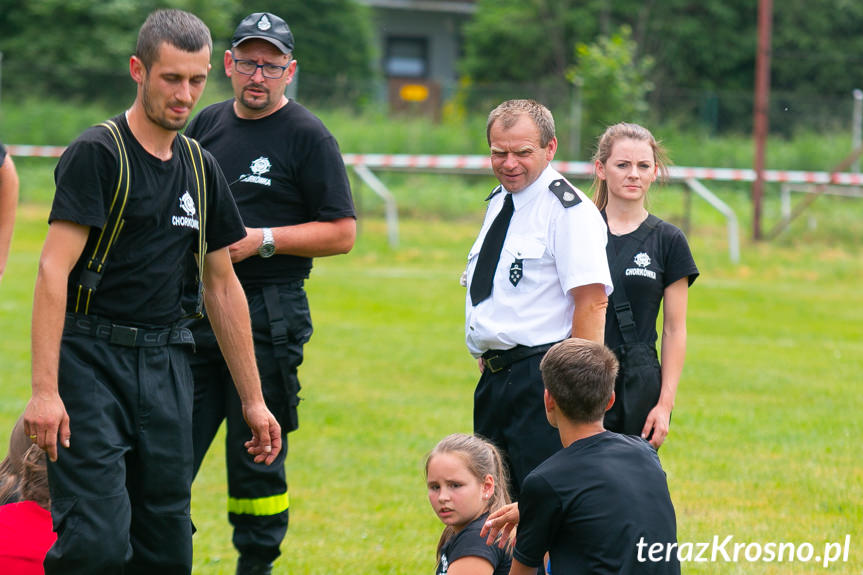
pixel 289 181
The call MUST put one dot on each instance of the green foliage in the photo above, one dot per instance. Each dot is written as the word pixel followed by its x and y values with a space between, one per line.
pixel 613 81
pixel 67 48
pixel 375 133
pixel 79 49
pixel 517 41
pixel 704 51
pixel 817 51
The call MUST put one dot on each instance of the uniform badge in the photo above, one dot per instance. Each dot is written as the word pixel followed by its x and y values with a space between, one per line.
pixel 264 23
pixel 494 192
pixel 565 193
pixel 516 272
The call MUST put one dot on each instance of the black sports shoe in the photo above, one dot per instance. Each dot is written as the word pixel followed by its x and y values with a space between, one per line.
pixel 247 565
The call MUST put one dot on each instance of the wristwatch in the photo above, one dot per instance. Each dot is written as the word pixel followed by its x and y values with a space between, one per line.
pixel 268 245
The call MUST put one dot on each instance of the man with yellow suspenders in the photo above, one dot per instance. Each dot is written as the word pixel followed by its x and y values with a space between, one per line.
pixel 111 377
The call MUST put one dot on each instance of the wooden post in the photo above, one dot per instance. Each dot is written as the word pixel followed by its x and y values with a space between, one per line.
pixel 762 95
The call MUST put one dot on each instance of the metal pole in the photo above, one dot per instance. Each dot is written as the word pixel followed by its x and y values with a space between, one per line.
pixel 391 210
pixel 762 94
pixel 725 210
pixel 856 130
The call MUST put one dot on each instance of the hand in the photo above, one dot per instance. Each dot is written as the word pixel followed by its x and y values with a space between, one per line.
pixel 480 364
pixel 657 421
pixel 501 523
pixel 46 420
pixel 248 246
pixel 266 442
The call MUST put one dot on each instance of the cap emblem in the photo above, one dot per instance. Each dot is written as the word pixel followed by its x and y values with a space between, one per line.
pixel 264 23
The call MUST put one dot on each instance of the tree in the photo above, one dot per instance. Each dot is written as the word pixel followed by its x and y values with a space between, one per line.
pixel 79 49
pixel 613 81
pixel 524 41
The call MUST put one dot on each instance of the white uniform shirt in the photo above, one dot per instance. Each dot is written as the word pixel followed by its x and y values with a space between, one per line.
pixel 560 248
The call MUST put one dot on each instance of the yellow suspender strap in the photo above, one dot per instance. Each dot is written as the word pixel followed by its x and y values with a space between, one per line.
pixel 197 157
pixel 90 277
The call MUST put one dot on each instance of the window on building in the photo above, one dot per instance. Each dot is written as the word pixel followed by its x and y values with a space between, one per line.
pixel 406 57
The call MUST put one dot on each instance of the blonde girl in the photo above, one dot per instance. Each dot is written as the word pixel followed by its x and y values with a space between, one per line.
pixel 466 481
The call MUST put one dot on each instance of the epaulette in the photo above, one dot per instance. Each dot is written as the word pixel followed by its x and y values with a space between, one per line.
pixel 565 193
pixel 493 192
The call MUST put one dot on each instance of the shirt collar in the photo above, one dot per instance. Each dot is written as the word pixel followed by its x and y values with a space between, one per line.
pixel 528 194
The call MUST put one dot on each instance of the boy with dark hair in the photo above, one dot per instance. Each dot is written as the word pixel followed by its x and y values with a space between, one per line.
pixel 590 505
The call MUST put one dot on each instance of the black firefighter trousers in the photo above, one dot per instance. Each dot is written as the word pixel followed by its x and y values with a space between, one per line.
pixel 120 494
pixel 258 499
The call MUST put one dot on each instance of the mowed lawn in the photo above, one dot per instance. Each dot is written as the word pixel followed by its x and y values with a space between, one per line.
pixel 764 445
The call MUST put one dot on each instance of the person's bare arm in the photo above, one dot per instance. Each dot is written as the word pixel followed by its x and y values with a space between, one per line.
pixel 470 565
pixel 45 415
pixel 228 311
pixel 588 319
pixel 310 239
pixel 673 352
pixel 519 568
pixel 8 206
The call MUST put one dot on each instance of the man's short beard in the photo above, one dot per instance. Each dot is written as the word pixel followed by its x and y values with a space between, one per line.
pixel 256 105
pixel 160 121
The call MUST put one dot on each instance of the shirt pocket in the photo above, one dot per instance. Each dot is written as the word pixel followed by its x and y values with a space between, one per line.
pixel 520 247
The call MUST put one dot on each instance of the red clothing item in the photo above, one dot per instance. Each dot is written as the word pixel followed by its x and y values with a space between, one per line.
pixel 25 536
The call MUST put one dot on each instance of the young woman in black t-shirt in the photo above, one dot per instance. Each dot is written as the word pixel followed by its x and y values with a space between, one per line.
pixel 627 161
pixel 466 481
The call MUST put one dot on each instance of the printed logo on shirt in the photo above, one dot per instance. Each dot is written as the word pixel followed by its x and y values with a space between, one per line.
pixel 189 220
pixel 259 167
pixel 444 565
pixel 642 260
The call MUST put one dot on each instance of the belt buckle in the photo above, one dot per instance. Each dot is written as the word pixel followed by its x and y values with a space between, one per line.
pixel 123 335
pixel 490 363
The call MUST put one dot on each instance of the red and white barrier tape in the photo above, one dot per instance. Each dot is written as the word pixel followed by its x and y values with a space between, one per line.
pixel 482 164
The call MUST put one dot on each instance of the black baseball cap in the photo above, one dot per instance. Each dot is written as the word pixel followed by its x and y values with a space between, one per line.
pixel 265 26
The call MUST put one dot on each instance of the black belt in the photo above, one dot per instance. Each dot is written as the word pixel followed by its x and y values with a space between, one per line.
pixel 127 336
pixel 496 359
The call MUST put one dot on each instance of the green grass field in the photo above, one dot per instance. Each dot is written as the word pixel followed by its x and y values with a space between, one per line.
pixel 764 444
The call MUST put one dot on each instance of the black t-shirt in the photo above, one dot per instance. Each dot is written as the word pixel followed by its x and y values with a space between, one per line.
pixel 663 258
pixel 143 279
pixel 590 504
pixel 468 543
pixel 283 169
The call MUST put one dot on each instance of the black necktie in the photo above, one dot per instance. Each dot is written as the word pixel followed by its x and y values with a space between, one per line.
pixel 489 253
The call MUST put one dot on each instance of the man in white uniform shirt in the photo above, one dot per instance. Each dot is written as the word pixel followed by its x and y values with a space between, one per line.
pixel 550 282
